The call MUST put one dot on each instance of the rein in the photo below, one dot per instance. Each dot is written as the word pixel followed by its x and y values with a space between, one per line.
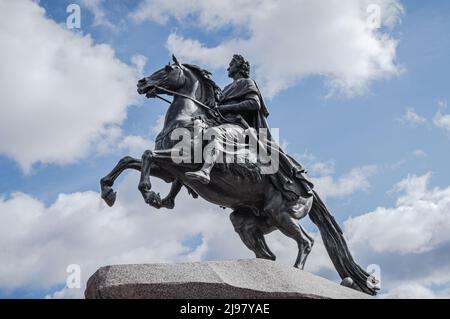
pixel 185 96
pixel 214 112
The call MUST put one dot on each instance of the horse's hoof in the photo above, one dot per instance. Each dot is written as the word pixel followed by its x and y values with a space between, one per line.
pixel 168 203
pixel 198 177
pixel 153 199
pixel 347 282
pixel 110 197
pixel 302 266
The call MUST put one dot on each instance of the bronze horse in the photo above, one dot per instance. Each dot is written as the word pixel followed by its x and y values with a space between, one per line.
pixel 258 207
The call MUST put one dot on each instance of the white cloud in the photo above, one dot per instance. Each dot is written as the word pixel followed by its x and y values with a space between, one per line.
pixel 355 180
pixel 80 229
pixel 442 121
pixel 61 93
pixel 139 61
pixel 98 11
pixel 322 174
pixel 414 291
pixel 407 241
pixel 289 40
pixel 412 118
pixel 135 145
pixel 107 139
pixel 410 242
pixel 66 293
pixel 322 168
pixel 159 125
pixel 442 105
pixel 419 222
pixel 420 153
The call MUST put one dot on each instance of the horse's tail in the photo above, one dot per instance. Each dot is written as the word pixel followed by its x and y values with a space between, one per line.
pixel 337 249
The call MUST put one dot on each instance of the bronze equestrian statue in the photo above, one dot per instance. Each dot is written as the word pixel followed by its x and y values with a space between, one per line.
pixel 262 200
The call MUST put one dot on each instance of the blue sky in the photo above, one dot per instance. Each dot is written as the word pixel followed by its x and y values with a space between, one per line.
pixel 392 128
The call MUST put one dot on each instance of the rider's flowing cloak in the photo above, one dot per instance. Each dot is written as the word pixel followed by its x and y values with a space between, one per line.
pixel 290 177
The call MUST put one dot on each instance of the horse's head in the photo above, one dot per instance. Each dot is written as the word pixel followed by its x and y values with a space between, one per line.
pixel 170 77
pixel 177 77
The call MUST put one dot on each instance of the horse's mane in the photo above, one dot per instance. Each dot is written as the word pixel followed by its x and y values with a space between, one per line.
pixel 211 91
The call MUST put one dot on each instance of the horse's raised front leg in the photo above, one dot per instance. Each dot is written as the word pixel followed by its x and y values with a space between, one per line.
pixel 106 183
pixel 169 201
pixel 145 186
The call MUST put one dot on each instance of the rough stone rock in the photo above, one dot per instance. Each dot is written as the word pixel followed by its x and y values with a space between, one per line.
pixel 242 279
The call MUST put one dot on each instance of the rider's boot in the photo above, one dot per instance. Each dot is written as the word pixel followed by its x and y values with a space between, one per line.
pixel 202 175
pixel 199 176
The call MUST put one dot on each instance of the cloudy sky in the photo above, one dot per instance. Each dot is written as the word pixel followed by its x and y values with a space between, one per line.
pixel 358 88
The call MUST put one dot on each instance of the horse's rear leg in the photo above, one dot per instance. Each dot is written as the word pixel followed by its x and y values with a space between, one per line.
pixel 251 230
pixel 287 223
pixel 106 183
pixel 291 228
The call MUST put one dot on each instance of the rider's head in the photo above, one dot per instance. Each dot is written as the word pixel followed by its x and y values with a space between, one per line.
pixel 239 67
